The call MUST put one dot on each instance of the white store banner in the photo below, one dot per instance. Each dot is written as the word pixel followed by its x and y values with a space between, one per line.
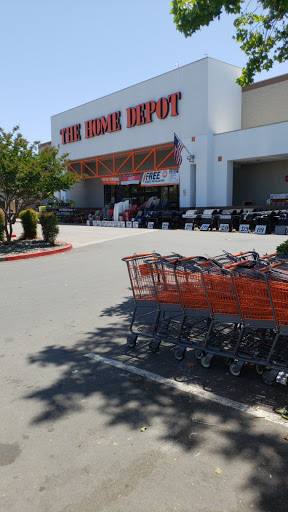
pixel 156 178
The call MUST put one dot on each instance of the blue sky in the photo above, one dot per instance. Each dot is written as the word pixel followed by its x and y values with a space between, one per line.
pixel 59 54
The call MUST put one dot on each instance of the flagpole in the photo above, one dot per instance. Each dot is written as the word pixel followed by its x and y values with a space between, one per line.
pixel 182 143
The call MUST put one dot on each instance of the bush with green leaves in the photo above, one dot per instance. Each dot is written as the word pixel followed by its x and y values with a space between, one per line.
pixel 2 225
pixel 29 221
pixel 50 229
pixel 283 248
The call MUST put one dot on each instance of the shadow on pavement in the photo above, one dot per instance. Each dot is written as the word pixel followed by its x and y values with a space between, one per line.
pixel 134 401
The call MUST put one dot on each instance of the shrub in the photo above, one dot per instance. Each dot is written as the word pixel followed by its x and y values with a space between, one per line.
pixel 29 221
pixel 283 248
pixel 2 224
pixel 50 229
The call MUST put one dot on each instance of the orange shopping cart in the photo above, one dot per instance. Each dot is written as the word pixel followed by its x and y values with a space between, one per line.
pixel 146 313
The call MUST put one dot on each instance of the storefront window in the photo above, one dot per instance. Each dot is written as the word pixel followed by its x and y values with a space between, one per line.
pixel 174 196
pixel 168 195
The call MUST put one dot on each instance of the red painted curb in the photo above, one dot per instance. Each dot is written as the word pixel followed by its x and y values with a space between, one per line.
pixel 68 247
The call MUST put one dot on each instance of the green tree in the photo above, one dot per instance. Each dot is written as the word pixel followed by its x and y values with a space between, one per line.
pixel 261 28
pixel 28 177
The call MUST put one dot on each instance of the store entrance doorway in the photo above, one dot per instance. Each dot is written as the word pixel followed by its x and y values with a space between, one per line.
pixel 168 195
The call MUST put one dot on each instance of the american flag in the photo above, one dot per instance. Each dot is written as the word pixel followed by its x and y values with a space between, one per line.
pixel 178 146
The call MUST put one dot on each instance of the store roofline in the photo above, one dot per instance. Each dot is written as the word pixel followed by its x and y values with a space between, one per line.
pixel 143 81
pixel 264 83
pixel 249 128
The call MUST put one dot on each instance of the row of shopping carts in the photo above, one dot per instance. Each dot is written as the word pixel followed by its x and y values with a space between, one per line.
pixel 232 306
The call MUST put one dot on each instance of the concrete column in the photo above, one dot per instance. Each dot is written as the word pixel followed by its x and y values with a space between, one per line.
pixel 203 151
pixel 229 184
pixel 185 184
pixel 193 185
pixel 222 185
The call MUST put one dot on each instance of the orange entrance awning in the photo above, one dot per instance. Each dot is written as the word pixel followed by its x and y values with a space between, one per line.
pixel 134 161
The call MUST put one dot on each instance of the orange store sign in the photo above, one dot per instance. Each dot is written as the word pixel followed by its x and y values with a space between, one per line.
pixel 135 116
pixel 110 180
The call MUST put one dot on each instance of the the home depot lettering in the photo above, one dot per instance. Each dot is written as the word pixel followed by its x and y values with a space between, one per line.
pixel 143 113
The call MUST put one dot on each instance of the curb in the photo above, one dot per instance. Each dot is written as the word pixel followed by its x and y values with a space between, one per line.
pixel 66 248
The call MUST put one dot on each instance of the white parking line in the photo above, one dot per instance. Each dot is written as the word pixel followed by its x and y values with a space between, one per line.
pixel 192 389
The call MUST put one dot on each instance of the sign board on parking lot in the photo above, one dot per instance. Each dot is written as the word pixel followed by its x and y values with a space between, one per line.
pixel 260 230
pixel 244 228
pixel 189 226
pixel 224 227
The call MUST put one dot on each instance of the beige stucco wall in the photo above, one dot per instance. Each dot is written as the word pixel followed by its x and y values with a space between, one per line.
pixel 88 194
pixel 266 104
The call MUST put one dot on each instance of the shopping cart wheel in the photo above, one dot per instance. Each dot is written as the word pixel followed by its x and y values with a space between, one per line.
pixel 205 361
pixel 259 369
pixel 269 378
pixel 235 369
pixel 179 353
pixel 228 361
pixel 154 346
pixel 199 354
pixel 131 340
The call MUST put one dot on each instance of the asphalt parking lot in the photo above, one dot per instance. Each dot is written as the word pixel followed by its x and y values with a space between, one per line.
pixel 88 424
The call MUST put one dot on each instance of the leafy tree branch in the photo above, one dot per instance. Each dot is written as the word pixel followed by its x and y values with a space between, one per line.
pixel 261 28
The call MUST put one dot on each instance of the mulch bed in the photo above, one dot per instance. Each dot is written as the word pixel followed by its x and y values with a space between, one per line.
pixel 27 246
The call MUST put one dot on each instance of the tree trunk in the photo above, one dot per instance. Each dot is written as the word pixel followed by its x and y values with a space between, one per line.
pixel 8 230
pixel 8 233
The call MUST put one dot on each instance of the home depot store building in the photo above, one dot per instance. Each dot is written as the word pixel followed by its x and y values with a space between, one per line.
pixel 122 144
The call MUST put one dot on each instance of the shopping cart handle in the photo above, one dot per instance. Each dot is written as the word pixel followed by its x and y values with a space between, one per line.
pixel 265 269
pixel 269 255
pixel 186 259
pixel 232 265
pixel 242 253
pixel 137 256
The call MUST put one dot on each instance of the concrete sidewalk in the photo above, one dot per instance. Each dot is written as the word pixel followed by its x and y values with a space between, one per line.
pixel 82 235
